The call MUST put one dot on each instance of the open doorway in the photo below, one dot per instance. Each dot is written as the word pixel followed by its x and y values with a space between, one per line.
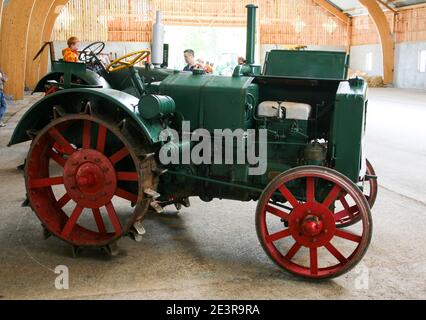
pixel 220 46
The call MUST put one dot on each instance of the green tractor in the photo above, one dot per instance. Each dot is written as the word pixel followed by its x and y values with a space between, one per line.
pixel 104 146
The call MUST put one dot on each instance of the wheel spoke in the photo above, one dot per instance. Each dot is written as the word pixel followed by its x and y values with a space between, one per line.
pixel 46 182
pixel 102 131
pixel 99 221
pixel 119 155
pixel 345 213
pixel 63 201
pixel 310 189
pixel 278 235
pixel 313 257
pixel 69 226
pixel 331 197
pixel 114 218
pixel 59 138
pixel 347 235
pixel 336 253
pixel 127 176
pixel 126 195
pixel 56 157
pixel 293 250
pixel 277 212
pixel 86 134
pixel 343 201
pixel 288 196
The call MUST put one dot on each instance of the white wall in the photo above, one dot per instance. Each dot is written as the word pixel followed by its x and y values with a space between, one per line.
pixel 358 59
pixel 407 74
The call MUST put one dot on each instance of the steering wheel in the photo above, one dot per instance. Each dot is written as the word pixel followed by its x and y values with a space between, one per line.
pixel 128 61
pixel 91 52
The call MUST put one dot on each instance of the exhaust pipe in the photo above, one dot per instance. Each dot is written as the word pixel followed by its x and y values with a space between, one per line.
pixel 157 51
pixel 251 33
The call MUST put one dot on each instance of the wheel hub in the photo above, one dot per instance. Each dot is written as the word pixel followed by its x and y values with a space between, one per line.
pixel 90 178
pixel 312 224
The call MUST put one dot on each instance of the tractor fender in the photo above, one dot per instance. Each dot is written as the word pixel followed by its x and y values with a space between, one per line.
pixel 105 101
pixel 88 76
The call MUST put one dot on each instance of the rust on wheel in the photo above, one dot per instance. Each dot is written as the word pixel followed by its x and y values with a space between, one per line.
pixel 78 191
pixel 370 193
pixel 296 222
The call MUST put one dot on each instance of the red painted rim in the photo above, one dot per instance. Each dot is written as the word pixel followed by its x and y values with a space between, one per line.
pixel 84 214
pixel 311 224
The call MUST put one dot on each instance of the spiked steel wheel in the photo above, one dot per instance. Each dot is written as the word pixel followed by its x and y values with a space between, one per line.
pixel 75 192
pixel 303 239
pixel 370 192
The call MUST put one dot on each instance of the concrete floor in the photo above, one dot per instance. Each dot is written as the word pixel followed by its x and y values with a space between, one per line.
pixel 210 251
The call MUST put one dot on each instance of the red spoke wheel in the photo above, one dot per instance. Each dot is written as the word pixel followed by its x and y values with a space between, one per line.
pixel 302 237
pixel 351 216
pixel 77 192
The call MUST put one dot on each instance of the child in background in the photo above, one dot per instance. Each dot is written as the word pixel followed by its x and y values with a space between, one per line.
pixel 71 53
pixel 3 79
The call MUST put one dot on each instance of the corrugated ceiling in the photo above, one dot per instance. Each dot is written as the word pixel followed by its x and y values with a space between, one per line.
pixel 353 7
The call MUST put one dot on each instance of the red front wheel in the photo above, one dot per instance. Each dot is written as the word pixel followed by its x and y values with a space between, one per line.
pixel 296 222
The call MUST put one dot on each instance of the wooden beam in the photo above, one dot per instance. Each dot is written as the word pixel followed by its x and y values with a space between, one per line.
pixel 386 38
pixel 387 6
pixel 14 36
pixel 35 36
pixel 333 10
pixel 53 13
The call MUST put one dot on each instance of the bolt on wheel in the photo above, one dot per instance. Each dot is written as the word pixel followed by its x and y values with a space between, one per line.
pixel 302 237
pixel 76 192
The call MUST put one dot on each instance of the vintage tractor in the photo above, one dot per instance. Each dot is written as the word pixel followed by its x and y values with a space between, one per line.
pixel 94 168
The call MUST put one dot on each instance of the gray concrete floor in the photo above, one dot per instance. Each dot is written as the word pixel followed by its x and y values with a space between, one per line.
pixel 210 251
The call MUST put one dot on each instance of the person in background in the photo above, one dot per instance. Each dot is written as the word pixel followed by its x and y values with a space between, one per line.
pixel 208 67
pixel 189 59
pixel 241 61
pixel 3 107
pixel 71 53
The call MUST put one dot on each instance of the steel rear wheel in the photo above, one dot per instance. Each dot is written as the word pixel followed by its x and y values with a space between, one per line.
pixel 302 237
pixel 370 188
pixel 76 192
pixel 371 193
